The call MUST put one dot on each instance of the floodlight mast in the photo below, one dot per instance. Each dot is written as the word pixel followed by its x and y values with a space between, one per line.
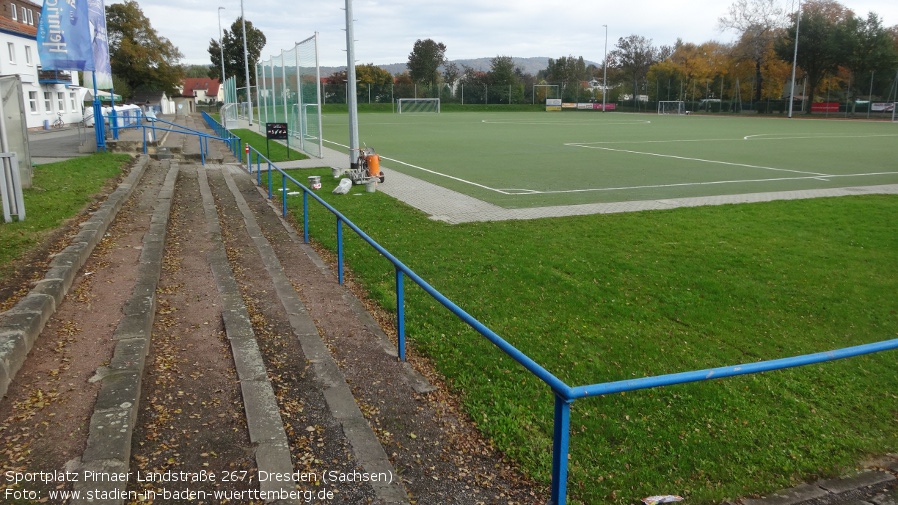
pixel 605 70
pixel 795 58
pixel 351 100
pixel 249 95
pixel 221 46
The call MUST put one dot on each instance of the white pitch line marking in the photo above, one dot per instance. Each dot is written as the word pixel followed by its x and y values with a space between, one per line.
pixel 717 162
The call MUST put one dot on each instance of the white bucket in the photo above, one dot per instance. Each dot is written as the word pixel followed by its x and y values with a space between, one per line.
pixel 371 186
pixel 315 181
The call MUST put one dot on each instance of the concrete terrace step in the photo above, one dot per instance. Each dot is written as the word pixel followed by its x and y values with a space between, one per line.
pixel 21 325
pixel 109 443
pixel 344 412
pixel 167 141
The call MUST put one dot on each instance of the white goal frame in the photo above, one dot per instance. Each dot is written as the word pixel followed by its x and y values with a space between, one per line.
pixel 895 112
pixel 422 105
pixel 672 107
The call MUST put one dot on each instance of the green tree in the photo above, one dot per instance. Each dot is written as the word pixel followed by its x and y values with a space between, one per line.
pixel 824 42
pixel 425 60
pixel 568 72
pixel 232 41
pixel 873 53
pixel 634 55
pixel 198 71
pixel 505 79
pixel 474 85
pixel 451 73
pixel 140 57
pixel 502 71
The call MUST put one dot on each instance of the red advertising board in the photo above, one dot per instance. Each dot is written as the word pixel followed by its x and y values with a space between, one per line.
pixel 825 107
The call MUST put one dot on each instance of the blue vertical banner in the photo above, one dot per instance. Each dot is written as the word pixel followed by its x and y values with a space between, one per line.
pixel 63 36
pixel 96 13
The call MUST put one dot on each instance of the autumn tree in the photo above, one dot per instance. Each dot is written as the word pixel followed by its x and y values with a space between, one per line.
pixel 143 59
pixel 373 82
pixel 759 22
pixel 232 41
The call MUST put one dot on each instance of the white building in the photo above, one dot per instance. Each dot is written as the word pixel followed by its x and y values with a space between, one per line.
pixel 45 93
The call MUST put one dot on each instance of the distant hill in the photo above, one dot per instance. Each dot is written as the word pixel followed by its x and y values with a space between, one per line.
pixel 529 65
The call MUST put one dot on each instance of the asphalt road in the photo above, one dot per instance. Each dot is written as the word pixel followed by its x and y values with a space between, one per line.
pixel 48 146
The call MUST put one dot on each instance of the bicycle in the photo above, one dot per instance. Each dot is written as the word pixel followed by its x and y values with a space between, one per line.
pixel 59 123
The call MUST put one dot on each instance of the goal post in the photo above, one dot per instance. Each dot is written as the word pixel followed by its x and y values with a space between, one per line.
pixel 412 105
pixel 672 107
pixel 542 92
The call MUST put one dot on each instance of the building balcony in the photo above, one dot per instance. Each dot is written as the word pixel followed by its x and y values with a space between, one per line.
pixel 54 76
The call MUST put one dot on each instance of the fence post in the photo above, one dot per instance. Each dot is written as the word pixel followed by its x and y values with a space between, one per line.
pixel 400 313
pixel 340 250
pixel 284 194
pixel 560 449
pixel 269 180
pixel 305 216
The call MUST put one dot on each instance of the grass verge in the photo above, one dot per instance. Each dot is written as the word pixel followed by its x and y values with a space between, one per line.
pixel 59 191
pixel 602 298
pixel 272 149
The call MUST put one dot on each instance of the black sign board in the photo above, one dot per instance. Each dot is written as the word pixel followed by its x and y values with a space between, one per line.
pixel 276 131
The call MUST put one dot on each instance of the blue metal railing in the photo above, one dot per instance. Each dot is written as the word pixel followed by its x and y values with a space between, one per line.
pixel 565 395
pixel 150 129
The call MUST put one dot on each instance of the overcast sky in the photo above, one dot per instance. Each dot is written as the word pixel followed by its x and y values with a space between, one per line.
pixel 386 30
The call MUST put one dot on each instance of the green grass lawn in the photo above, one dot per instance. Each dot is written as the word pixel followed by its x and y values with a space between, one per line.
pixel 610 297
pixel 59 191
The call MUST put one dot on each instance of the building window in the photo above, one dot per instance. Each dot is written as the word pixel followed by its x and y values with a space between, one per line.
pixel 29 60
pixel 15 14
pixel 48 101
pixel 31 17
pixel 12 52
pixel 60 101
pixel 32 101
pixel 72 100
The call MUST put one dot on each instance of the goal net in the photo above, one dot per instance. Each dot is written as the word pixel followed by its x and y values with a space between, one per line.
pixel 410 105
pixel 672 107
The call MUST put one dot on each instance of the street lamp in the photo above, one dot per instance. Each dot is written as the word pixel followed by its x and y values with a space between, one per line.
pixel 249 97
pixel 794 58
pixel 605 70
pixel 221 46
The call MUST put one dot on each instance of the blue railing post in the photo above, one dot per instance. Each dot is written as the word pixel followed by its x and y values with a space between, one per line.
pixel 560 447
pixel 400 313
pixel 284 194
pixel 269 180
pixel 305 216
pixel 340 250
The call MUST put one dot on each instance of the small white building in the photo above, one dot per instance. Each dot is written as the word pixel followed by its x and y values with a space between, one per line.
pixel 45 93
